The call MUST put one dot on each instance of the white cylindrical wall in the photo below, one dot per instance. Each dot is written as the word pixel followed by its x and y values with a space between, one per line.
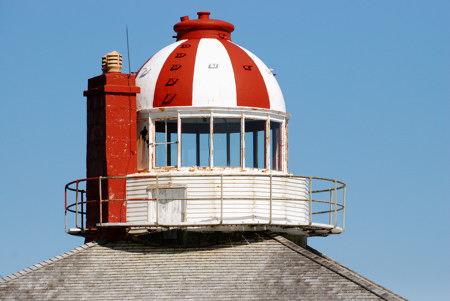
pixel 242 200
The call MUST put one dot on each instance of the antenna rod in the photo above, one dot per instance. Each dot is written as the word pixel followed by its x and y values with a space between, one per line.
pixel 128 50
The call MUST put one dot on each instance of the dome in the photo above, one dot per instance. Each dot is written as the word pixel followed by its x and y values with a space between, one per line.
pixel 205 69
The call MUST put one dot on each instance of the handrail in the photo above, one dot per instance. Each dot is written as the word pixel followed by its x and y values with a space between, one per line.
pixel 335 205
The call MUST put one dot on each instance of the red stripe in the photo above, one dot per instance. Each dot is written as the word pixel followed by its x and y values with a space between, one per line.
pixel 251 90
pixel 174 84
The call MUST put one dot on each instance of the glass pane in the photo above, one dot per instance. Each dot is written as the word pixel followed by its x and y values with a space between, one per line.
pixel 275 143
pixel 195 141
pixel 254 143
pixel 160 149
pixel 227 142
pixel 160 131
pixel 172 149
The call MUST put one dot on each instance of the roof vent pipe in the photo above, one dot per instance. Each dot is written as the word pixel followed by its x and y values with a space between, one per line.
pixel 112 62
pixel 203 15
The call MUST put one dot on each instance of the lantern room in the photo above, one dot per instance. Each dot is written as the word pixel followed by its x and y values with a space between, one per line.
pixel 206 102
pixel 196 140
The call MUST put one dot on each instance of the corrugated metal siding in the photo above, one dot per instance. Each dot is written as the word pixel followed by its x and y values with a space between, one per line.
pixel 242 199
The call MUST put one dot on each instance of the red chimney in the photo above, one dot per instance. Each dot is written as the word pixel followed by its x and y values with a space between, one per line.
pixel 111 142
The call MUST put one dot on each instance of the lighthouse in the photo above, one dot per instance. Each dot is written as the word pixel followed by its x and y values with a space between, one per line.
pixel 195 141
pixel 187 194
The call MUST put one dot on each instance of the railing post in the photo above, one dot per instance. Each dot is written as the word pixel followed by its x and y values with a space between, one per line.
pixel 331 206
pixel 157 200
pixel 335 204
pixel 221 199
pixel 100 200
pixel 76 205
pixel 65 207
pixel 270 216
pixel 82 210
pixel 310 201
pixel 343 210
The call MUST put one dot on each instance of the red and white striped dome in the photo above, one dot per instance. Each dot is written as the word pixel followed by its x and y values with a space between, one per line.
pixel 205 69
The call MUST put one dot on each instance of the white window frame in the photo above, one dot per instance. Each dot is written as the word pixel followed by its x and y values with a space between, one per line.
pixel 179 114
pixel 153 143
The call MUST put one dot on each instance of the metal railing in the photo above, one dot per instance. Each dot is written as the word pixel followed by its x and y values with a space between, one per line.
pixel 325 213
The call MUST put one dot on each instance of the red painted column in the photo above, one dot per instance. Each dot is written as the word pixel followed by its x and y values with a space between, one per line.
pixel 111 147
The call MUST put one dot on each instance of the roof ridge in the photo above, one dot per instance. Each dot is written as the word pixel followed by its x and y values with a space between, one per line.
pixel 354 272
pixel 338 268
pixel 48 262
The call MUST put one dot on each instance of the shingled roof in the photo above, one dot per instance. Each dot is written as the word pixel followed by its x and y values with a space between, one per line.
pixel 254 266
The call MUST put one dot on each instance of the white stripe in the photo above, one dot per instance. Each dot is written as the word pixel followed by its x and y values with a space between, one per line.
pixel 273 89
pixel 148 76
pixel 213 83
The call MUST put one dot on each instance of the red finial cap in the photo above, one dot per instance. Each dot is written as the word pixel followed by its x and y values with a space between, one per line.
pixel 203 27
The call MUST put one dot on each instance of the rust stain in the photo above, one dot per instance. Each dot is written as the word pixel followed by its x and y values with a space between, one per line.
pixel 165 169
pixel 152 159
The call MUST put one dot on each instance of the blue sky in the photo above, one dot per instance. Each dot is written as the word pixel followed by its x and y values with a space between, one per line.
pixel 366 83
